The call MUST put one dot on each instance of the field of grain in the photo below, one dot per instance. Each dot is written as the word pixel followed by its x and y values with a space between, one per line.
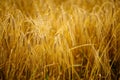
pixel 59 39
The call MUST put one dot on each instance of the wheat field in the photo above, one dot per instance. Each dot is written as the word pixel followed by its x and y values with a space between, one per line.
pixel 59 39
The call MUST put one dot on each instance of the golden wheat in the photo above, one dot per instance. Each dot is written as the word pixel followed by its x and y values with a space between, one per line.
pixel 59 39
